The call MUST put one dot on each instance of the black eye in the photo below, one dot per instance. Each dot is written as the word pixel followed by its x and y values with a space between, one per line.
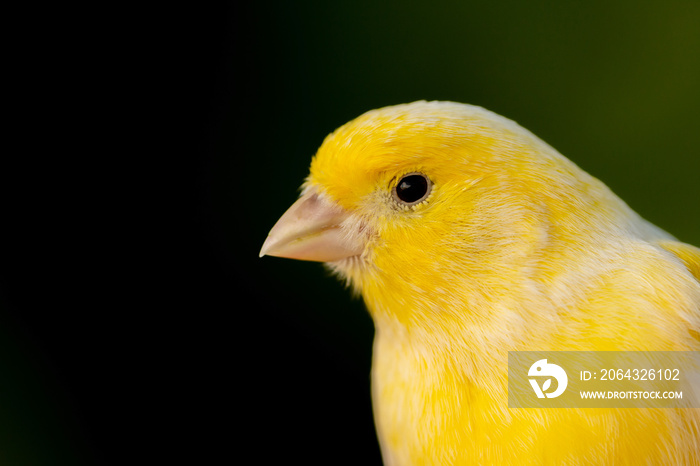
pixel 412 189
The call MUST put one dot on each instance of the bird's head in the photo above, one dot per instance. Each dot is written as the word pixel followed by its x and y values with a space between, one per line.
pixel 417 197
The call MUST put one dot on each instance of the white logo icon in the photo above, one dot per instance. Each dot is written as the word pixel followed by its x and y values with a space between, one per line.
pixel 542 369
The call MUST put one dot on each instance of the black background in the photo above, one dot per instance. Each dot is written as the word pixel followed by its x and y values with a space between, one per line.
pixel 151 149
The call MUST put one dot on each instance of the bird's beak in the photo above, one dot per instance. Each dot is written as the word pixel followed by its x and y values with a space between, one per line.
pixel 312 229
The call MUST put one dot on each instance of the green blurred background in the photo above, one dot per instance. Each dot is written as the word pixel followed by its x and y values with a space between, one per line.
pixel 196 128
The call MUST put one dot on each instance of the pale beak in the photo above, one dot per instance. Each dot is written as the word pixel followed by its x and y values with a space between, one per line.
pixel 313 229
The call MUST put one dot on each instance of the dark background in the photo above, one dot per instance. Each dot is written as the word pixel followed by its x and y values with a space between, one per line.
pixel 150 151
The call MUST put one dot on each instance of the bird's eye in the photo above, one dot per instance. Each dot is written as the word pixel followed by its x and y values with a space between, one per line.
pixel 412 189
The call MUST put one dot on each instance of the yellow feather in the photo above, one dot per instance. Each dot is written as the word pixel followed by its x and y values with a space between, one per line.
pixel 689 255
pixel 515 248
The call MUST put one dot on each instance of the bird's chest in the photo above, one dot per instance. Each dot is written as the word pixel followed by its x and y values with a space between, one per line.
pixel 425 410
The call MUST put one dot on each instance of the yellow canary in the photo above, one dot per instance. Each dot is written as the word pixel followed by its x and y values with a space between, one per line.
pixel 468 237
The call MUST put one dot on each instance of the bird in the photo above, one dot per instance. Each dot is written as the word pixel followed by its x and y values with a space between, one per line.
pixel 469 237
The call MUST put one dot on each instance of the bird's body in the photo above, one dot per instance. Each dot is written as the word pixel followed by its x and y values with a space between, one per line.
pixel 513 247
